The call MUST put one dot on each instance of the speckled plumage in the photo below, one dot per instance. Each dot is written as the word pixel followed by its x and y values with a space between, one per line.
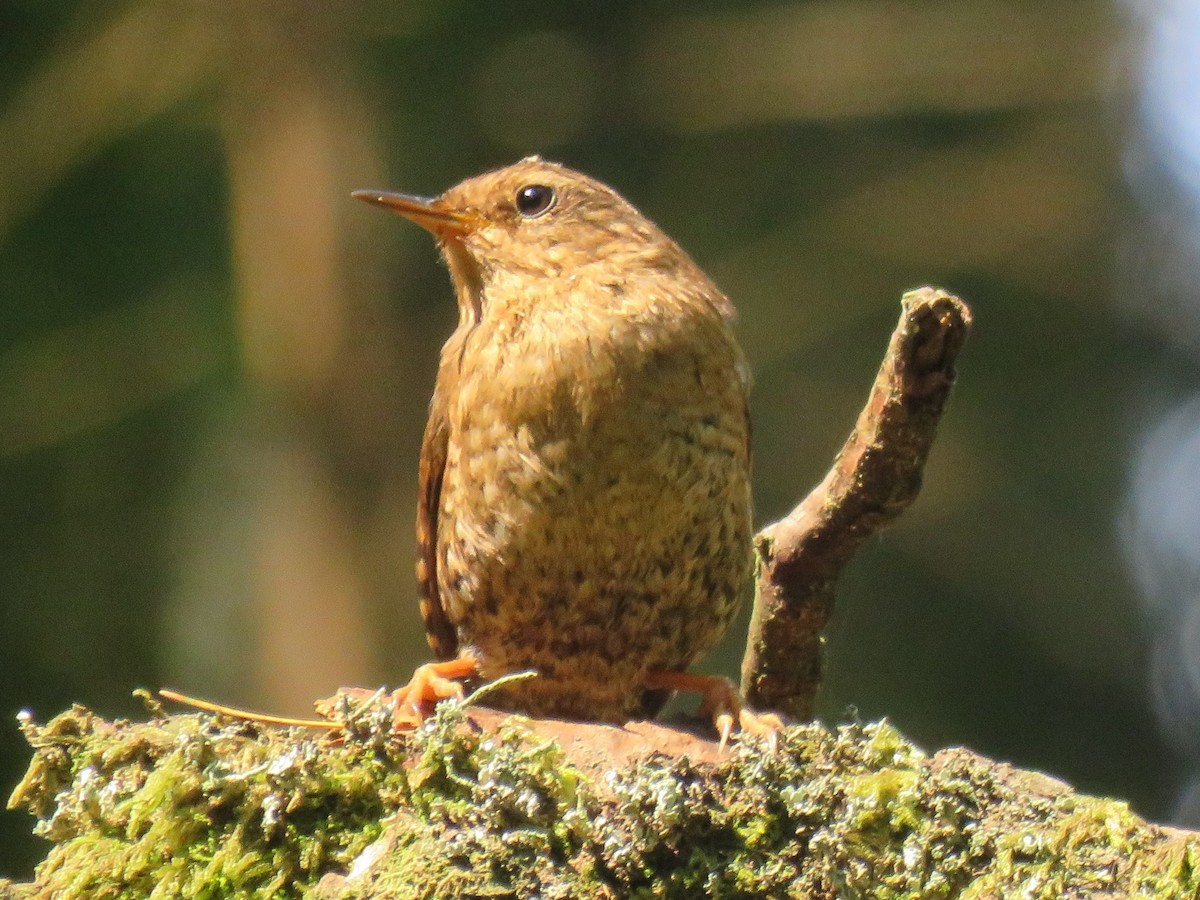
pixel 585 494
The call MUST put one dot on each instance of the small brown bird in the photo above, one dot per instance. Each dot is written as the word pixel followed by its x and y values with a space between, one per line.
pixel 584 501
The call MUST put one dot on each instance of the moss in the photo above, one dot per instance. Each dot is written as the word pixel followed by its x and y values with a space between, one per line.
pixel 188 807
pixel 185 807
pixel 500 813
pixel 10 891
pixel 1094 846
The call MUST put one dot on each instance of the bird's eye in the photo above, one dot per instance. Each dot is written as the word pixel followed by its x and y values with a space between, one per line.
pixel 534 199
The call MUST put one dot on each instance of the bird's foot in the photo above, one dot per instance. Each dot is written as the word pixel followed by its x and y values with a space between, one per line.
pixel 413 703
pixel 720 701
pixel 430 683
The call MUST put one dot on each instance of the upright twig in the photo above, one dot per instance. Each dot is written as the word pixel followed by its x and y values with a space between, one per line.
pixel 874 478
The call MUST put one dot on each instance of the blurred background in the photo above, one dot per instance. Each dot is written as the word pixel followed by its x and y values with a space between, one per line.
pixel 214 365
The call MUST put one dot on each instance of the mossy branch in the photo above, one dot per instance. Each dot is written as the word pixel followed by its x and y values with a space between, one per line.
pixel 874 478
pixel 480 804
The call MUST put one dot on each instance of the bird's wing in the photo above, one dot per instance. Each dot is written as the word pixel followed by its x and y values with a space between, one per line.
pixel 438 629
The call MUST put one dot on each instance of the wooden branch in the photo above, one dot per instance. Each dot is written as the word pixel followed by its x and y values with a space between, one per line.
pixel 482 804
pixel 874 478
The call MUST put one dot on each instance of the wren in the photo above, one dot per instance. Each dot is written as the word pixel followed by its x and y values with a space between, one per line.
pixel 584 507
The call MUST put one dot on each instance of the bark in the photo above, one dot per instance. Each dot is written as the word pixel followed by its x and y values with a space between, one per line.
pixel 874 478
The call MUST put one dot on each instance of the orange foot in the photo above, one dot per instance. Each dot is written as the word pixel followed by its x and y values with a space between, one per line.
pixel 719 700
pixel 414 701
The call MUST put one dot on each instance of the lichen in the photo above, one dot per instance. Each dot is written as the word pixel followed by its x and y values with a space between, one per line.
pixel 184 806
pixel 188 806
pixel 497 814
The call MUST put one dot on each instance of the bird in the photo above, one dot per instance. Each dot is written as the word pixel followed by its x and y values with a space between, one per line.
pixel 584 507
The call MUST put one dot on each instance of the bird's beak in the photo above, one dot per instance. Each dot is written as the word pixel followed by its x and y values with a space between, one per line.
pixel 431 213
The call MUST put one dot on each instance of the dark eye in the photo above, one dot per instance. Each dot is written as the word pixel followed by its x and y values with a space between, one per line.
pixel 534 199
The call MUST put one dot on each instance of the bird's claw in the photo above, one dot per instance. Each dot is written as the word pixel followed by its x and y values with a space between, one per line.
pixel 720 701
pixel 413 703
pixel 430 683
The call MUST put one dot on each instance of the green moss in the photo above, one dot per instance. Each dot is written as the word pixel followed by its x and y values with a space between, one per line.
pixel 183 806
pixel 498 814
pixel 1108 849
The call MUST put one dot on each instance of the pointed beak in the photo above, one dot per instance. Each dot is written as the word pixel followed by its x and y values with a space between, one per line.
pixel 431 213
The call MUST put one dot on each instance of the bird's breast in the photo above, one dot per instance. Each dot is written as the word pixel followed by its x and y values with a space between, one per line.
pixel 586 428
pixel 595 501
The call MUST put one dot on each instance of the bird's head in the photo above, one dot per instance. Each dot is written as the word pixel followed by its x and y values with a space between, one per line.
pixel 536 221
